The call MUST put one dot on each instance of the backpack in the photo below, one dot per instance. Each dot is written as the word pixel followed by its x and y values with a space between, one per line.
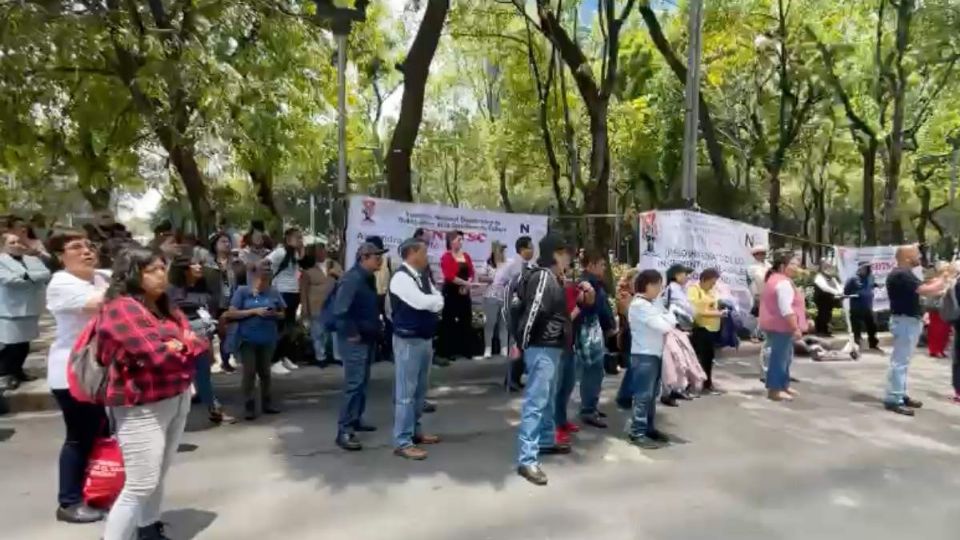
pixel 86 376
pixel 949 306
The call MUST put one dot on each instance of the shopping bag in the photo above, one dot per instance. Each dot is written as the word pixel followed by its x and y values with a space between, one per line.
pixel 105 473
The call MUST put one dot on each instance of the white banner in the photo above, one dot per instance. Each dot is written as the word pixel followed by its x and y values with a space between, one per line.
pixel 882 260
pixel 396 221
pixel 702 241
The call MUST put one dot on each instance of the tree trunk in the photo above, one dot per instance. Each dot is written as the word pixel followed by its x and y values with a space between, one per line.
pixel 185 162
pixel 869 154
pixel 504 192
pixel 416 69
pixel 924 217
pixel 773 175
pixel 263 183
pixel 598 199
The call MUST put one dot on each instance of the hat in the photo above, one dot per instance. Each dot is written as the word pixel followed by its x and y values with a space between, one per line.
pixel 550 244
pixel 375 240
pixel 369 248
pixel 759 249
pixel 408 244
pixel 677 269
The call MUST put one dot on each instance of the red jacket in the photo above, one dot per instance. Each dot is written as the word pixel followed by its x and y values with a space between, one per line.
pixel 143 366
pixel 449 266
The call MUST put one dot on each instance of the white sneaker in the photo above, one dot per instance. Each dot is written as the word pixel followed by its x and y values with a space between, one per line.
pixel 504 352
pixel 486 353
pixel 278 369
pixel 287 363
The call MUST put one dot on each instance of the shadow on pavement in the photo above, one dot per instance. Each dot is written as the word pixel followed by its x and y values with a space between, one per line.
pixel 6 434
pixel 187 523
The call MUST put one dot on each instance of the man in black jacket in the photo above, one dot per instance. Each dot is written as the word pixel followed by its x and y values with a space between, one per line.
pixel 543 332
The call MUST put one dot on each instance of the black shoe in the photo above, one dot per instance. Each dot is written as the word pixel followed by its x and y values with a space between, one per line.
pixel 658 436
pixel 364 428
pixel 625 404
pixel 251 410
pixel 669 401
pixel 79 513
pixel 440 361
pixel 270 409
pixel 533 473
pixel 877 349
pixel 349 442
pixel 912 403
pixel 227 368
pixel 794 379
pixel 152 532
pixel 9 382
pixel 23 377
pixel 556 450
pixel 645 443
pixel 684 395
pixel 899 408
pixel 601 414
pixel 429 407
pixel 594 420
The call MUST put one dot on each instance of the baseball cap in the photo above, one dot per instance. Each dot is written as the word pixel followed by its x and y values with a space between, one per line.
pixel 369 248
pixel 375 240
pixel 759 249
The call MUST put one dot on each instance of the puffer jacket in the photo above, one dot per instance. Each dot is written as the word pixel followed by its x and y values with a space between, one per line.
pixel 545 321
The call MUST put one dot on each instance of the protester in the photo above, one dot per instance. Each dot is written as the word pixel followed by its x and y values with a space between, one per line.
pixel 285 263
pixel 783 318
pixel 456 325
pixel 359 329
pixel 415 307
pixel 231 273
pixel 860 288
pixel 257 307
pixel 706 322
pixel 544 332
pixel 677 302
pixel 74 296
pixel 649 323
pixel 493 303
pixel 318 277
pixel 904 288
pixel 506 276
pixel 191 292
pixel 595 321
pixel 625 294
pixel 826 296
pixel 23 278
pixel 756 274
pixel 255 246
pixel 567 366
pixel 30 244
pixel 384 352
pixel 427 275
pixel 938 330
pixel 139 327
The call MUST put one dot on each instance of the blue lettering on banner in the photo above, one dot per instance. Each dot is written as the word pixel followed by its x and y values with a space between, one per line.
pixel 525 228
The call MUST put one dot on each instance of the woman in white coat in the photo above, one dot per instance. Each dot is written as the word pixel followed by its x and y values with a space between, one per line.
pixel 23 279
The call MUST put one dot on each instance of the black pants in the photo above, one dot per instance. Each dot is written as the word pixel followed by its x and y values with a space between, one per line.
pixel 84 422
pixel 384 350
pixel 956 359
pixel 12 357
pixel 703 342
pixel 824 314
pixel 860 319
pixel 456 324
pixel 286 326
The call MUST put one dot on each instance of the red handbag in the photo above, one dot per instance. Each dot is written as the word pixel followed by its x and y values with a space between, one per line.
pixel 105 473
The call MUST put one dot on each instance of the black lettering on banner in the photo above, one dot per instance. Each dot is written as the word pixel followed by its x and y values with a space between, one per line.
pixel 524 228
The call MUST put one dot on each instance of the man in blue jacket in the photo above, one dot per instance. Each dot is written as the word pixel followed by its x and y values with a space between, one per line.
pixel 591 326
pixel 861 289
pixel 357 318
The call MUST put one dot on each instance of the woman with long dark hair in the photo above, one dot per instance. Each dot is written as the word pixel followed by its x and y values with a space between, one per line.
pixel 783 318
pixel 285 263
pixel 232 275
pixel 190 290
pixel 150 353
pixel 74 296
pixel 456 324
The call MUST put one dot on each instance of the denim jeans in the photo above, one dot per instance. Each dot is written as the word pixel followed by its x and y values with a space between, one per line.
pixel 537 429
pixel 780 345
pixel 412 358
pixel 566 380
pixel 906 332
pixel 956 359
pixel 589 351
pixel 149 436
pixel 493 321
pixel 625 392
pixel 357 358
pixel 84 423
pixel 645 381
pixel 319 335
pixel 203 382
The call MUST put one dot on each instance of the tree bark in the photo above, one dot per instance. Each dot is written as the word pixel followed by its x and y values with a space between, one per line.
pixel 263 183
pixel 416 69
pixel 504 192
pixel 185 162
pixel 868 152
pixel 893 232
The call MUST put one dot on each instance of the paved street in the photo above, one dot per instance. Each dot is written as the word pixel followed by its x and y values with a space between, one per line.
pixel 831 465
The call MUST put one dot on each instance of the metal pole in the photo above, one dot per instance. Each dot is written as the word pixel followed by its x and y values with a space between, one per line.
pixel 342 113
pixel 313 215
pixel 691 122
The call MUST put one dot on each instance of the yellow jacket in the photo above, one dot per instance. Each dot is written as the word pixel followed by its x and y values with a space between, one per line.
pixel 702 301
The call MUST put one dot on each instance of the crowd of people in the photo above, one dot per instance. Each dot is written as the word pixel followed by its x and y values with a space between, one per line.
pixel 158 313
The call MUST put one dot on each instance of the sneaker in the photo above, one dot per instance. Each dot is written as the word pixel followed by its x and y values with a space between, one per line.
pixel 556 450
pixel 912 403
pixel 349 442
pixel 411 452
pixel 562 437
pixel 504 352
pixel 645 443
pixel 288 363
pixel 659 436
pixel 279 369
pixel 570 427
pixel 594 420
pixel 899 408
pixel 152 532
pixel 79 513
pixel 487 353
pixel 533 473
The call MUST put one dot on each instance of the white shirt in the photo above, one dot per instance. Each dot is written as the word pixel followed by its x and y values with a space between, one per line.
pixel 827 285
pixel 758 274
pixel 649 323
pixel 784 291
pixel 407 288
pixel 284 280
pixel 66 296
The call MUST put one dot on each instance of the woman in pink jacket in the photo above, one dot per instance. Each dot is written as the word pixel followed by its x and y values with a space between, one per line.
pixel 783 317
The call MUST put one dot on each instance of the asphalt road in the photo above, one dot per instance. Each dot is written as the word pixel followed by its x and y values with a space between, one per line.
pixel 830 465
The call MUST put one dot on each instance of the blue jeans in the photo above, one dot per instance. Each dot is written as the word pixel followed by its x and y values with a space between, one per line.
pixel 644 374
pixel 566 380
pixel 625 392
pixel 357 358
pixel 412 358
pixel 203 382
pixel 589 351
pixel 319 335
pixel 537 429
pixel 780 345
pixel 906 332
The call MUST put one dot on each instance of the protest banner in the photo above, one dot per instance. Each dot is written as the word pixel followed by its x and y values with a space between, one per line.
pixel 396 221
pixel 702 241
pixel 882 260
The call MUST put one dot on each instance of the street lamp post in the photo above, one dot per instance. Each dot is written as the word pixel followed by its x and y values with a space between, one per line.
pixel 692 98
